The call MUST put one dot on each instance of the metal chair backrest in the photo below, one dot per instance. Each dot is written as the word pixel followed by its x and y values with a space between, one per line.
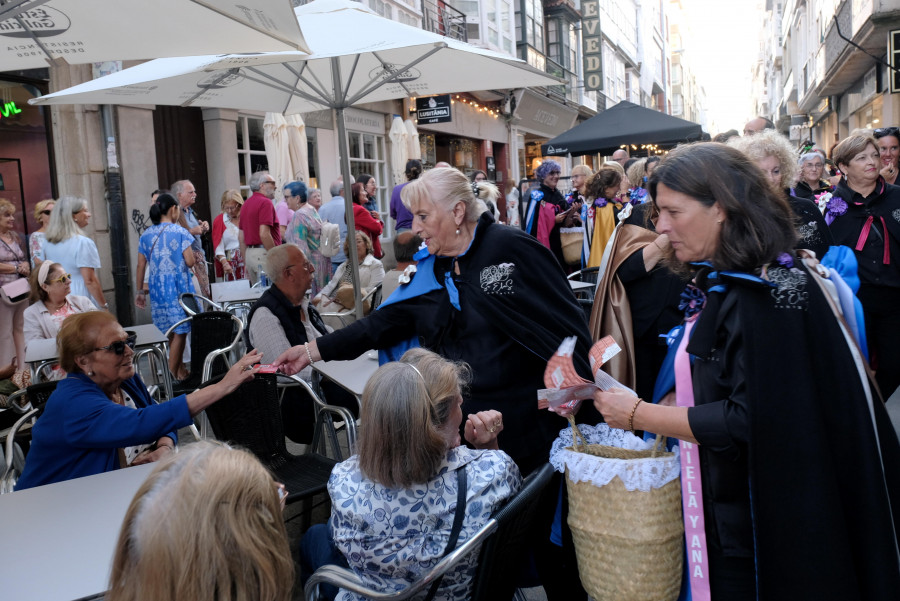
pixel 504 554
pixel 194 303
pixel 498 562
pixel 588 274
pixel 251 417
pixel 31 402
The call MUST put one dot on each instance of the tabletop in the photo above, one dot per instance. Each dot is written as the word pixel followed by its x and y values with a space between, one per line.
pixel 350 375
pixel 580 285
pixel 63 536
pixel 45 349
pixel 228 292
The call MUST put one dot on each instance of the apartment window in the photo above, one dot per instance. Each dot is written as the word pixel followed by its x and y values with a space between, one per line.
pixel 382 8
pixel 561 43
pixel 251 150
pixel 408 19
pixel 532 24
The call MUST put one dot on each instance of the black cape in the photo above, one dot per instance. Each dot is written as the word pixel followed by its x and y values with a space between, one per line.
pixel 824 462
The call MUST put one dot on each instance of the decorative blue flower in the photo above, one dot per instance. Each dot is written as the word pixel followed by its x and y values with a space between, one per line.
pixel 692 301
pixel 638 195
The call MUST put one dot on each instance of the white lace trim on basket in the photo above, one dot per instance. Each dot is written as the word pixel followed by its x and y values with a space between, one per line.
pixel 636 474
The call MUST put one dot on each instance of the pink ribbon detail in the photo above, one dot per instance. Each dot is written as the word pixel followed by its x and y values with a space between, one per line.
pixel 864 236
pixel 691 487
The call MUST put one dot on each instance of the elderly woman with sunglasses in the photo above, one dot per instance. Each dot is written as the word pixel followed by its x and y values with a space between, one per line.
pixel 101 418
pixel 51 291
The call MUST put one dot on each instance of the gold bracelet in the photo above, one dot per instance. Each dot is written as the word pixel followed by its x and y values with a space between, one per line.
pixel 631 417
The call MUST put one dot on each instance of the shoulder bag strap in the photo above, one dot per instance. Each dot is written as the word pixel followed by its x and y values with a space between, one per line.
pixel 462 485
pixel 14 253
pixel 155 240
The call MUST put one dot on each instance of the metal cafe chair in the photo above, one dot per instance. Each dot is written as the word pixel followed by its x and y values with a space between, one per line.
pixel 500 545
pixel 325 416
pixel 30 402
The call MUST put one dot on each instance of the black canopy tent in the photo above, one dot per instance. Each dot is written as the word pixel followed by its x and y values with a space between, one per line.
pixel 625 123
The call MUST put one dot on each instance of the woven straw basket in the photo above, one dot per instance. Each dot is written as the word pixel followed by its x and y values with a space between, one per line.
pixel 629 543
pixel 571 239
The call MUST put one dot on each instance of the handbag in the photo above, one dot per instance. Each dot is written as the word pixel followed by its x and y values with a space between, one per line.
pixel 571 239
pixel 330 239
pixel 624 513
pixel 15 291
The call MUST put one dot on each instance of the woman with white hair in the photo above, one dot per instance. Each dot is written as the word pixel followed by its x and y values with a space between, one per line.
pixel 773 153
pixel 811 183
pixel 68 246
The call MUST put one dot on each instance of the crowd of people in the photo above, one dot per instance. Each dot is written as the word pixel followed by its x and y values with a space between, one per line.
pixel 726 271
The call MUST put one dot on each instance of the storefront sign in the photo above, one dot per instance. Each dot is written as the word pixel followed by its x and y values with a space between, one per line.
pixel 592 46
pixel 434 109
pixel 364 121
pixel 542 116
pixel 9 109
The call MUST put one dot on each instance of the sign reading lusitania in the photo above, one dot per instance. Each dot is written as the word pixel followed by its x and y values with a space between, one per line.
pixel 592 47
pixel 434 109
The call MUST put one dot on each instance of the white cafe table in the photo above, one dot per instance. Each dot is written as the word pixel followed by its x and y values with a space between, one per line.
pixel 232 295
pixel 150 341
pixel 579 286
pixel 61 537
pixel 350 375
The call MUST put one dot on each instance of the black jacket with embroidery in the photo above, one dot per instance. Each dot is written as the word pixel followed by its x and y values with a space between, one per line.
pixel 516 308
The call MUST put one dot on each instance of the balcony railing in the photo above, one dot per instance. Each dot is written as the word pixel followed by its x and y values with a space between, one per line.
pixel 441 18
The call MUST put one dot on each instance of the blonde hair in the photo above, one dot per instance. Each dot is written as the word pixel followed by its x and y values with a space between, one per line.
pixel 39 207
pixel 232 196
pixel 446 186
pixel 205 526
pixel 6 207
pixel 770 143
pixel 636 173
pixel 404 406
pixel 360 235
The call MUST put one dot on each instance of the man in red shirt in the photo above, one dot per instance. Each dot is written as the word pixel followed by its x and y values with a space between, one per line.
pixel 259 224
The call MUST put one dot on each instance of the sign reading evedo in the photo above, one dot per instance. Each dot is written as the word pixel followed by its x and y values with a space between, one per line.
pixel 592 48
pixel 434 109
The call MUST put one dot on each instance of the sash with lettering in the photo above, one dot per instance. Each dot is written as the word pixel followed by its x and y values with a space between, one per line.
pixel 691 488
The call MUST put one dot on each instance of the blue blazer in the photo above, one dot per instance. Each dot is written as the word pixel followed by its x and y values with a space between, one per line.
pixel 81 430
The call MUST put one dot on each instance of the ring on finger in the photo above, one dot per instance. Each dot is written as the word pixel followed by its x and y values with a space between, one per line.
pixel 247 368
pixel 497 423
pixel 491 430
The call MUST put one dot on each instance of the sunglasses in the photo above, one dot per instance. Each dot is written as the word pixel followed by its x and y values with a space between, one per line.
pixel 63 279
pixel 47 212
pixel 887 131
pixel 118 347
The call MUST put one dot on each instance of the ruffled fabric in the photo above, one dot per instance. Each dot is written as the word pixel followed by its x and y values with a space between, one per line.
pixel 636 474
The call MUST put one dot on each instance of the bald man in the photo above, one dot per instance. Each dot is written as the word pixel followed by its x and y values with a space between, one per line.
pixel 620 156
pixel 754 126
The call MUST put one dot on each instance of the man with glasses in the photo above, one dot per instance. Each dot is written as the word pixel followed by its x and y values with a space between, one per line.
pixel 260 231
pixel 282 318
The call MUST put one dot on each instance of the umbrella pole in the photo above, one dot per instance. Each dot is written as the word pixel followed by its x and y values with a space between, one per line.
pixel 344 149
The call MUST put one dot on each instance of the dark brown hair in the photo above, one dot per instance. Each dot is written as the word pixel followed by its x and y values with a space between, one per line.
pixel 606 177
pixel 759 222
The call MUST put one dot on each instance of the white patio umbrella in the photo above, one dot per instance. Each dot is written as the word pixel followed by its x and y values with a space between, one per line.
pixel 391 60
pixel 297 145
pixel 412 140
pixel 278 154
pixel 399 149
pixel 87 31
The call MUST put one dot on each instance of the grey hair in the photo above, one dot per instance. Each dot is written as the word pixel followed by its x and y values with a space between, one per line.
pixel 309 192
pixel 178 187
pixel 446 186
pixel 277 259
pixel 337 186
pixel 810 156
pixel 257 179
pixel 62 222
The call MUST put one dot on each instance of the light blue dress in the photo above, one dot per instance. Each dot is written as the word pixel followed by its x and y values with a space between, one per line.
pixel 162 245
pixel 73 254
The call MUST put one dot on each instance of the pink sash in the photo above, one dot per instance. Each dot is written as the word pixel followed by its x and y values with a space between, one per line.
pixel 546 222
pixel 691 488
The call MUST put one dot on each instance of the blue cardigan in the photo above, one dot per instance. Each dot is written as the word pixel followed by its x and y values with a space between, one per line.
pixel 81 430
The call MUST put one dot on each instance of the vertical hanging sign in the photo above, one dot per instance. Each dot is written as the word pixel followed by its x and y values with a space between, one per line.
pixel 592 48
